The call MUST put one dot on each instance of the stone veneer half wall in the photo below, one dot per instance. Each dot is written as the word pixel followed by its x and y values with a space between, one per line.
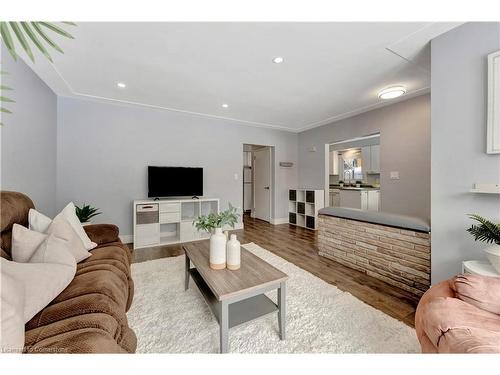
pixel 396 256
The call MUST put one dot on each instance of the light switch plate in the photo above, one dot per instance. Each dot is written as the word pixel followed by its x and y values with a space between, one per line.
pixel 236 176
pixel 394 175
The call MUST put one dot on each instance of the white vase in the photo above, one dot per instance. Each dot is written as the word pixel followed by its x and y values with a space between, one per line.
pixel 233 257
pixel 493 254
pixel 218 250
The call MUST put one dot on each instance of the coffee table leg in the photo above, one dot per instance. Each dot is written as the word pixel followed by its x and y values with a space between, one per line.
pixel 188 265
pixel 224 327
pixel 282 310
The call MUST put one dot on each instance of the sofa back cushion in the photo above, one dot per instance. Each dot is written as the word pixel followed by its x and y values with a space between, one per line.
pixel 14 210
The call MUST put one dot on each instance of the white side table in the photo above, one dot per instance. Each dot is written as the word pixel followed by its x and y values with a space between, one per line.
pixel 478 267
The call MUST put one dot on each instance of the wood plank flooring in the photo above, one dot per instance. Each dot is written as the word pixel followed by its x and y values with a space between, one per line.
pixel 299 246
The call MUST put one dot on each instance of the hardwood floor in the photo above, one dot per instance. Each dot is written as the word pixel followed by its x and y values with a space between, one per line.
pixel 299 246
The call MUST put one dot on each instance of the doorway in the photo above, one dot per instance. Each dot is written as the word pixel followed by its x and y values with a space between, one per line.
pixel 257 181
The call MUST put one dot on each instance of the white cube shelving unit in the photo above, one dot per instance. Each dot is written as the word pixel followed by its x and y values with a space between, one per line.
pixel 170 221
pixel 303 207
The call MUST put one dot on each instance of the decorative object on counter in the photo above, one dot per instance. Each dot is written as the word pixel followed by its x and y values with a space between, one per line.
pixel 233 253
pixel 358 183
pixel 341 183
pixel 213 223
pixel 85 213
pixel 489 232
pixel 226 233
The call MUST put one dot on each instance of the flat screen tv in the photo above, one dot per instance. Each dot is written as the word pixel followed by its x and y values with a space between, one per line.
pixel 174 182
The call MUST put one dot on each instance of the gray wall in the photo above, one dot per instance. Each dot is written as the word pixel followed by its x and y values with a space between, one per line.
pixel 459 102
pixel 404 130
pixel 28 137
pixel 104 149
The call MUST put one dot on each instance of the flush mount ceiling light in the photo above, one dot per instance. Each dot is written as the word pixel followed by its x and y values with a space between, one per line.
pixel 392 92
pixel 278 60
pixel 121 85
pixel 225 105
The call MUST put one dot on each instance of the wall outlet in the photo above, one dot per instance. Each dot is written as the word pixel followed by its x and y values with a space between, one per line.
pixel 236 177
pixel 394 175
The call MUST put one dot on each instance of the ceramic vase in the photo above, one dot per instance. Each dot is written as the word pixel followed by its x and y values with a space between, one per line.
pixel 493 254
pixel 233 256
pixel 218 250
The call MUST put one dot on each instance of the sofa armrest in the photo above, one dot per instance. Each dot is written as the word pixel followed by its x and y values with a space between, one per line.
pixel 480 291
pixel 102 233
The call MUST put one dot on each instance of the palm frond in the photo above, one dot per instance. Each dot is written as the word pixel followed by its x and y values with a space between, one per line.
pixel 22 40
pixel 34 33
pixel 33 36
pixel 486 231
pixel 26 32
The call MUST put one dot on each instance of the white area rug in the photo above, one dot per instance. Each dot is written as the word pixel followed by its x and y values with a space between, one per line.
pixel 320 317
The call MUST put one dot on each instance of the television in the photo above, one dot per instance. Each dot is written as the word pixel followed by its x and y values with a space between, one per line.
pixel 174 182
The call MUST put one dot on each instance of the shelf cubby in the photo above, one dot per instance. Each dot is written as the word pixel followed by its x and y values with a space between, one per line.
pixel 303 207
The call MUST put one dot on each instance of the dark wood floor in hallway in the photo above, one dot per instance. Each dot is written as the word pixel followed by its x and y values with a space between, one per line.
pixel 299 246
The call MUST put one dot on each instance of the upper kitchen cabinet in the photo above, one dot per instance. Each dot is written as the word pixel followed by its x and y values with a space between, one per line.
pixel 334 163
pixel 370 156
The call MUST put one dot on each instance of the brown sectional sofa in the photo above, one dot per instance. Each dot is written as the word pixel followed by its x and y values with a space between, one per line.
pixel 89 316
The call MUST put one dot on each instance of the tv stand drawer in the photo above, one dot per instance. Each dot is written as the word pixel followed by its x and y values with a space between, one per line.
pixel 170 207
pixel 170 217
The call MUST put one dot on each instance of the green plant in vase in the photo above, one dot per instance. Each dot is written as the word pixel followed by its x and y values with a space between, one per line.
pixel 86 212
pixel 213 223
pixel 489 232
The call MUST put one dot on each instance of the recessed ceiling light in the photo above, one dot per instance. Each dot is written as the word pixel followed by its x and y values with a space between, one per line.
pixel 121 85
pixel 225 105
pixel 392 92
pixel 278 60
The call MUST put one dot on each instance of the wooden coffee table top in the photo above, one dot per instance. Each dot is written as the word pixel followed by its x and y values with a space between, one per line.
pixel 253 274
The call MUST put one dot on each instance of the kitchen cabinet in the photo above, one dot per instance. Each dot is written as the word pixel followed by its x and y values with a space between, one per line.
pixel 334 163
pixel 373 200
pixel 360 199
pixel 370 156
pixel 334 198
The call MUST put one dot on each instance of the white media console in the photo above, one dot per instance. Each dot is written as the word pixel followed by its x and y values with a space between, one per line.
pixel 170 221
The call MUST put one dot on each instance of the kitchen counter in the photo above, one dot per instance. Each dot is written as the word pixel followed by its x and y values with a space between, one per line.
pixel 352 188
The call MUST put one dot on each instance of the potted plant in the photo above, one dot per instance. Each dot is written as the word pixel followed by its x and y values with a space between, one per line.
pixel 213 223
pixel 489 232
pixel 85 213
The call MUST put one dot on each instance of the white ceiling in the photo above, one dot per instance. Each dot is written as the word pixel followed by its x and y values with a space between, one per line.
pixel 331 70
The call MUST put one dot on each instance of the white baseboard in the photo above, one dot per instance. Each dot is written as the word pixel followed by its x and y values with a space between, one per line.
pixel 126 238
pixel 279 220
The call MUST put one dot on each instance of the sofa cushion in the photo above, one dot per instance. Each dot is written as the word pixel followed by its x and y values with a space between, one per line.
pixel 443 314
pixel 480 291
pixel 470 340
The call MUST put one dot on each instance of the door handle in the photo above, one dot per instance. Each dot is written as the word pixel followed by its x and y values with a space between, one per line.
pixel 266 187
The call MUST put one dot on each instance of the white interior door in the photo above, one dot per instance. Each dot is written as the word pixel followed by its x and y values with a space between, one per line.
pixel 262 184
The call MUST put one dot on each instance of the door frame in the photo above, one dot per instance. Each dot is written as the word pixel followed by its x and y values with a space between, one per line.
pixel 272 179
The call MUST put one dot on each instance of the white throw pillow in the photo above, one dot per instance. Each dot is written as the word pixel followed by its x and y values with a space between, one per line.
pixel 42 281
pixel 61 228
pixel 54 250
pixel 69 213
pixel 11 314
pixel 40 223
pixel 24 243
pixel 37 221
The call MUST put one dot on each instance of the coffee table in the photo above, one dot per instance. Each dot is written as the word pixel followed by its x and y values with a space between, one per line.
pixel 236 297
